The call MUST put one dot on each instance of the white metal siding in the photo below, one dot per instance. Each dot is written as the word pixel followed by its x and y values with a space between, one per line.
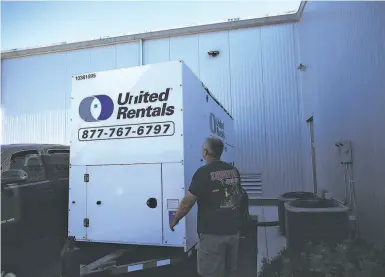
pixel 127 55
pixel 103 58
pixel 254 77
pixel 248 100
pixel 156 51
pixel 186 48
pixel 43 127
pixel 34 99
pixel 33 84
pixel 215 71
pixel 343 47
pixel 77 62
pixel 283 126
pixel 306 145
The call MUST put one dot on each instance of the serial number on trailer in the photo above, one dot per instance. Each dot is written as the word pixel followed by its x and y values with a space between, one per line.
pixel 156 129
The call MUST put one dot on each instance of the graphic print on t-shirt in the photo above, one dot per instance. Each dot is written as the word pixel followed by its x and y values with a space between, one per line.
pixel 229 180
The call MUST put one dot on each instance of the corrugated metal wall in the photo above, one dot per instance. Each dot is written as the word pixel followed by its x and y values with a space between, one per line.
pixel 343 46
pixel 282 111
pixel 254 76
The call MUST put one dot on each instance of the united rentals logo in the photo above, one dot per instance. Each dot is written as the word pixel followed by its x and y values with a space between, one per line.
pixel 217 126
pixel 101 107
pixel 96 108
pixel 127 101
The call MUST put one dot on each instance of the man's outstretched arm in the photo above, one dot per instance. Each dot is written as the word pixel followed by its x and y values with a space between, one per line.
pixel 184 207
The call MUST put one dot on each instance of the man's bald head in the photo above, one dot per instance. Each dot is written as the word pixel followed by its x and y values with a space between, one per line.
pixel 214 147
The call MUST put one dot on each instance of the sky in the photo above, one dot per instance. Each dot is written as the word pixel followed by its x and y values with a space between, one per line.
pixel 36 23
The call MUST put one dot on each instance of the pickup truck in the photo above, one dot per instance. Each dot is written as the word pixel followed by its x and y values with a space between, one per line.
pixel 34 201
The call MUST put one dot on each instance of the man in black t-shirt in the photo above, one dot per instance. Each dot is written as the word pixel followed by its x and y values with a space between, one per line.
pixel 217 189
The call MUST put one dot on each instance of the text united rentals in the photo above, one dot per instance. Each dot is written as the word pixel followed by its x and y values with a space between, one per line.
pixel 127 100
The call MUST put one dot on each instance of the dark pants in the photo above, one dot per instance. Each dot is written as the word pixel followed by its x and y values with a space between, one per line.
pixel 217 254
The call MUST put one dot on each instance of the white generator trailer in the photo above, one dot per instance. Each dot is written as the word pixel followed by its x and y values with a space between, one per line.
pixel 136 141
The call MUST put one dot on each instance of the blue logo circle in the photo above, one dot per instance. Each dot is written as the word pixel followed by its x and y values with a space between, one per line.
pixel 106 109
